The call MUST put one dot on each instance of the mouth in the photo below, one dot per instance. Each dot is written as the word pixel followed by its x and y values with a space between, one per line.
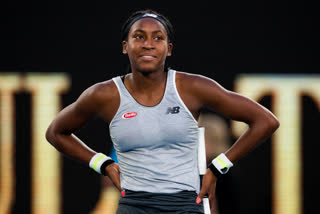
pixel 147 57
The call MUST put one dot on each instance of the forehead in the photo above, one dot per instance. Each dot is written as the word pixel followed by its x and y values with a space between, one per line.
pixel 148 25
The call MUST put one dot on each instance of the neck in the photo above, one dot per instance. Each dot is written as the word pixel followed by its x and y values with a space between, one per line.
pixel 148 81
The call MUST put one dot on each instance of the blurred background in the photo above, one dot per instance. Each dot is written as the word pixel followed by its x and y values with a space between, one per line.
pixel 50 51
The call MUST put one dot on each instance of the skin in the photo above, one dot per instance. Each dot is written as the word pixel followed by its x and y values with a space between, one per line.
pixel 147 47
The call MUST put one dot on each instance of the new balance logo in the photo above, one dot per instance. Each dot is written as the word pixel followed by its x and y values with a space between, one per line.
pixel 173 110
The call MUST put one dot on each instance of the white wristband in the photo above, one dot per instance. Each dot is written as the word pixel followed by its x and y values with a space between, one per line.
pixel 222 163
pixel 97 160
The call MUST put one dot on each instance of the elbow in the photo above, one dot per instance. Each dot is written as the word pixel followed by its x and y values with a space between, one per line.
pixel 55 136
pixel 273 123
pixel 277 124
pixel 52 136
pixel 49 135
pixel 268 124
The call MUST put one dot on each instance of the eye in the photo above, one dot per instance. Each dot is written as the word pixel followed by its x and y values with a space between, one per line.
pixel 138 36
pixel 159 38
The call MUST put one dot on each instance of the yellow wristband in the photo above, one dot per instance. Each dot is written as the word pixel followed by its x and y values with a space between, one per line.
pixel 97 160
pixel 222 163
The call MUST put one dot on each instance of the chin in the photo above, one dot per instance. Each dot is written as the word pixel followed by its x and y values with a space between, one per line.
pixel 147 69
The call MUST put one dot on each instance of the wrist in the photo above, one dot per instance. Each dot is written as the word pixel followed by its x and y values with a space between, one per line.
pixel 214 170
pixel 220 165
pixel 99 162
pixel 104 166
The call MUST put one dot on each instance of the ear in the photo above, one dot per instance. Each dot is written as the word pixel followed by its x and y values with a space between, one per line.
pixel 124 47
pixel 170 46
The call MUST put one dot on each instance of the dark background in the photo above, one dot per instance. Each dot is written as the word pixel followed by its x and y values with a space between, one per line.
pixel 219 39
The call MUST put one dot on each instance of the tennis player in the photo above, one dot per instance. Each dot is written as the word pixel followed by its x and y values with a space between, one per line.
pixel 152 114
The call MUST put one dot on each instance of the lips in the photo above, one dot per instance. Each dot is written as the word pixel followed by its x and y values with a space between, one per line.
pixel 147 56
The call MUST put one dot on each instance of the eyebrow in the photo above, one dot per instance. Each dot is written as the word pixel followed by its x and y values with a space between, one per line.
pixel 142 31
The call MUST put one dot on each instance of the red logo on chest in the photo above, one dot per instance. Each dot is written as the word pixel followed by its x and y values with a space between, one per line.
pixel 129 115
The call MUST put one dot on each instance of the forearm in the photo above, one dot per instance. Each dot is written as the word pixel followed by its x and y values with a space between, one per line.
pixel 70 145
pixel 256 133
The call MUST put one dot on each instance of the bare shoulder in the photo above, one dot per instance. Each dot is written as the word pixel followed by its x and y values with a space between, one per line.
pixel 201 91
pixel 195 90
pixel 194 79
pixel 197 83
pixel 101 92
pixel 98 99
pixel 183 76
pixel 102 88
pixel 101 99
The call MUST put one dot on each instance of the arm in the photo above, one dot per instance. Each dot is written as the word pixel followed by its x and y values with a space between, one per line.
pixel 71 119
pixel 262 123
pixel 100 100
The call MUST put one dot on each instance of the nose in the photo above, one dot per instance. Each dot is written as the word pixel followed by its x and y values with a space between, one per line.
pixel 148 43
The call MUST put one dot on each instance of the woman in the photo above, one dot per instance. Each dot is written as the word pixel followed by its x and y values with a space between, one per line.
pixel 152 114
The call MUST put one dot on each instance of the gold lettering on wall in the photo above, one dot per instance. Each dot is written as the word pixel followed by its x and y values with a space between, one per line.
pixel 9 84
pixel 46 169
pixel 286 147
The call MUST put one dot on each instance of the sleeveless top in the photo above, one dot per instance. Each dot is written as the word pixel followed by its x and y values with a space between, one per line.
pixel 156 146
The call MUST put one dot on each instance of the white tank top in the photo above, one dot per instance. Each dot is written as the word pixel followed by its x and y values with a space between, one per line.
pixel 156 146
